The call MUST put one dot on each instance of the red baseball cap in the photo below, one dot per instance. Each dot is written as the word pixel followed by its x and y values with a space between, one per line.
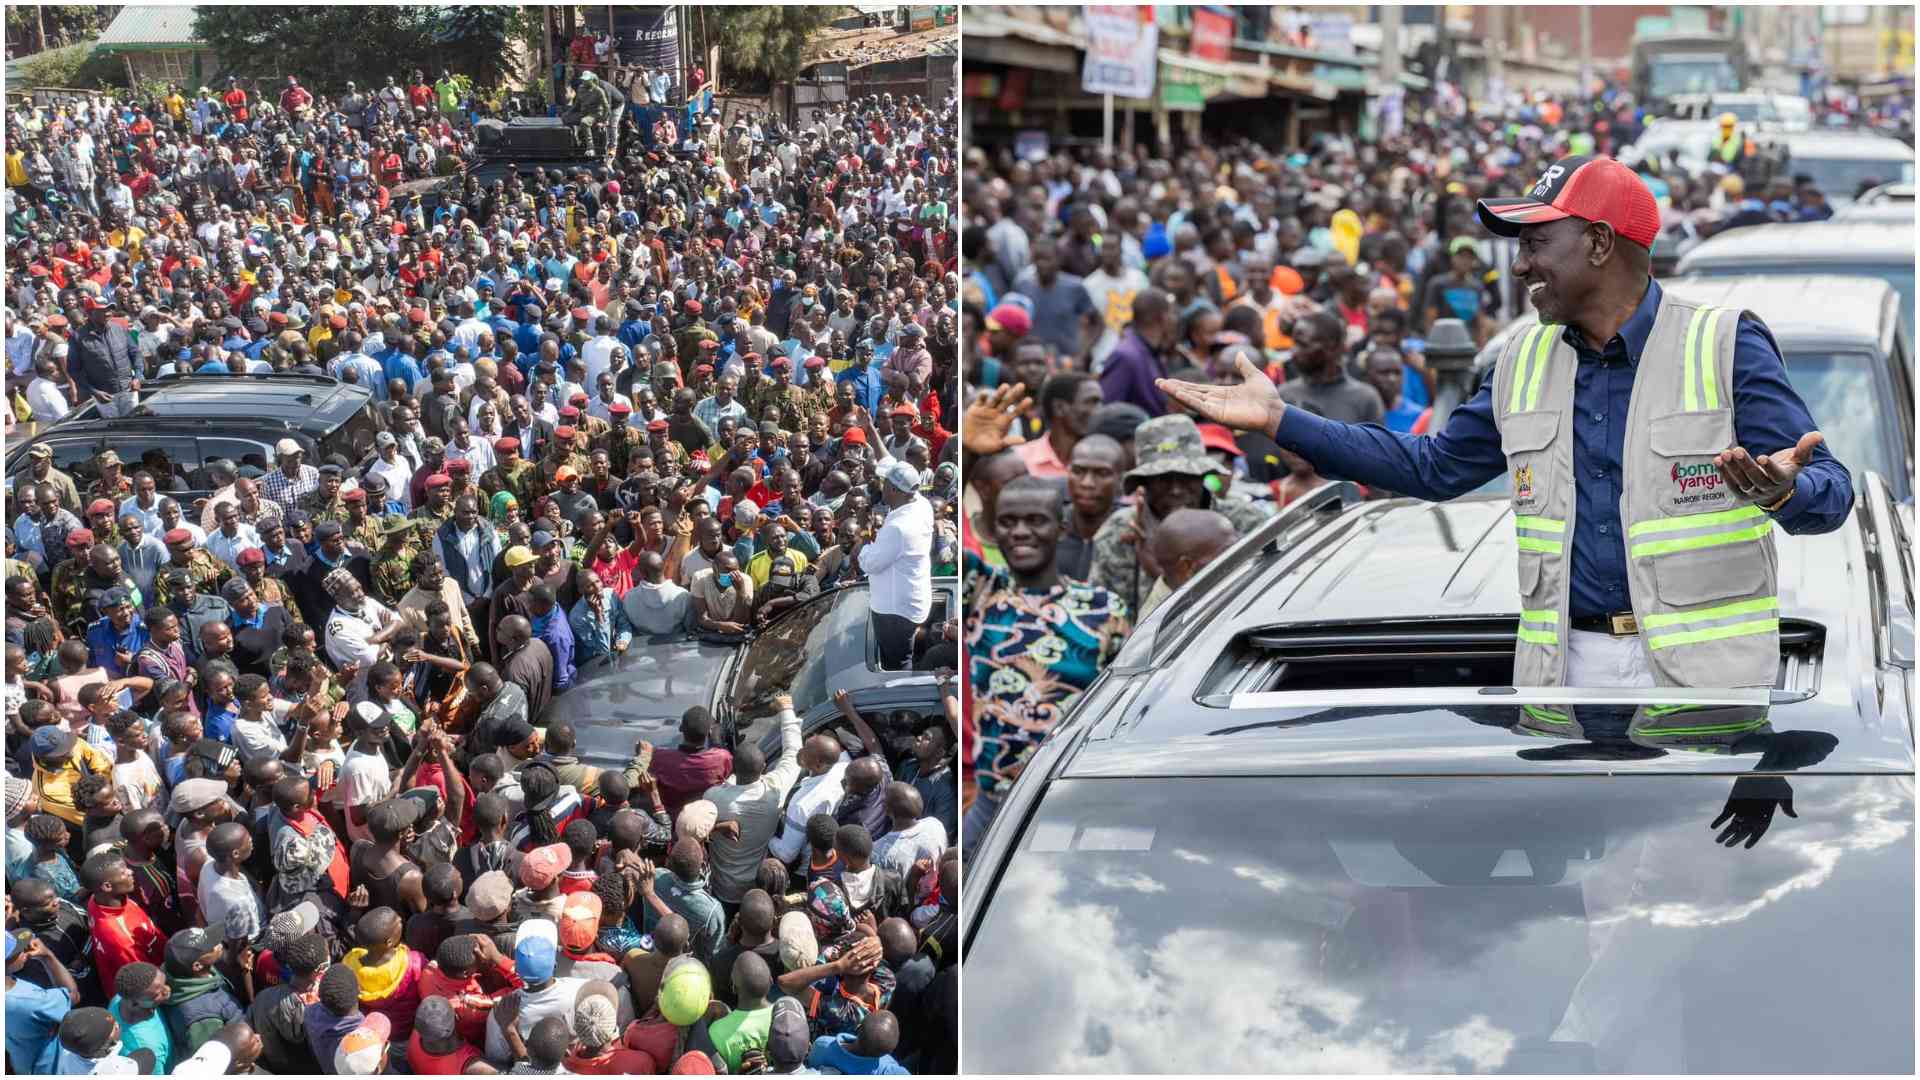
pixel 1589 188
pixel 1217 437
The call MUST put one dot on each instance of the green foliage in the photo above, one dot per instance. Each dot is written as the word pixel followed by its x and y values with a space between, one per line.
pixel 74 67
pixel 64 23
pixel 477 40
pixel 767 39
pixel 324 45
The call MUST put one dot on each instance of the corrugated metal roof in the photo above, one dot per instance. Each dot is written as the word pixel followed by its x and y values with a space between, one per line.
pixel 148 24
pixel 879 45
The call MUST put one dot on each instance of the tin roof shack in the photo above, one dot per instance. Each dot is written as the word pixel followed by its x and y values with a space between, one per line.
pixel 842 64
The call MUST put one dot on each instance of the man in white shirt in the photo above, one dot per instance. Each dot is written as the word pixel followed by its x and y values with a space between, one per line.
pixel 598 351
pixel 232 537
pixel 910 836
pixel 823 779
pixel 898 563
pixel 365 777
pixel 44 395
pixel 394 469
pixel 752 801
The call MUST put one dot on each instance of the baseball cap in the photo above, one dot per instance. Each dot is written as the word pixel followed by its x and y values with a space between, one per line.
pixel 579 921
pixel 543 864
pixel 490 895
pixel 517 555
pixel 187 946
pixel 287 447
pixel 1589 188
pixel 364 1051
pixel 856 436
pixel 901 475
pixel 788 1040
pixel 535 945
pixel 51 742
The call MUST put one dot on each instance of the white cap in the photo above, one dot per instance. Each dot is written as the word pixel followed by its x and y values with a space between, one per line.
pixel 287 448
pixel 901 475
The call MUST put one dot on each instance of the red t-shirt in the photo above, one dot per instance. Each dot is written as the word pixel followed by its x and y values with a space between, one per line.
pixel 123 937
pixel 469 1021
pixel 449 1064
pixel 236 102
pixel 684 777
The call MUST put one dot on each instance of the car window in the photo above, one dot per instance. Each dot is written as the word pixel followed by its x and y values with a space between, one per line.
pixel 171 458
pixel 796 654
pixel 237 452
pixel 1385 925
pixel 1842 178
pixel 1898 275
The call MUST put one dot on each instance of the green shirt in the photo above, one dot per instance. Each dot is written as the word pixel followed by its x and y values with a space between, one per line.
pixel 740 1031
pixel 151 1034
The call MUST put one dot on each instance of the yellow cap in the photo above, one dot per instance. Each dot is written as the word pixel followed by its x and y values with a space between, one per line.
pixel 518 555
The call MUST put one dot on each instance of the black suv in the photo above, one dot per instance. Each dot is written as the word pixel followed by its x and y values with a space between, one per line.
pixel 185 421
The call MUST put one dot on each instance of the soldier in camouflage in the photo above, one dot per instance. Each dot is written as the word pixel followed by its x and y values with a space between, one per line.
pixel 621 438
pixel 270 590
pixel 392 563
pixel 513 474
pixel 435 512
pixel 207 572
pixel 68 589
pixel 360 525
pixel 1174 472
pixel 323 503
pixel 100 520
pixel 669 457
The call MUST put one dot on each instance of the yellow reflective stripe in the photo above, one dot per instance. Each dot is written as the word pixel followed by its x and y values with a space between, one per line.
pixel 1520 365
pixel 1548 616
pixel 1544 715
pixel 1539 365
pixel 1538 637
pixel 1534 543
pixel 1690 393
pixel 1539 524
pixel 1694 521
pixel 1689 543
pixel 1657 711
pixel 1708 729
pixel 1713 633
pixel 1709 380
pixel 1724 611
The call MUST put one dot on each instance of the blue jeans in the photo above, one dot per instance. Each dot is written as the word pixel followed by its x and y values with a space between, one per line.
pixel 973 827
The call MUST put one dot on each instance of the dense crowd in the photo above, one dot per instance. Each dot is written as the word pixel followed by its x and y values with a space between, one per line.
pixel 1329 267
pixel 282 792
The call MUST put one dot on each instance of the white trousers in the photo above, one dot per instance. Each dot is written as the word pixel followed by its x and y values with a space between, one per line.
pixel 1602 660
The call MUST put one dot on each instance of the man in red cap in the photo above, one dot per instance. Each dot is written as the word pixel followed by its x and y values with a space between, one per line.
pixel 621 438
pixel 1633 428
pixel 514 474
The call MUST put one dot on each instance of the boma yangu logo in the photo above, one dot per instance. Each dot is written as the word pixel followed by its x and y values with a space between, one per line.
pixel 1523 482
pixel 1703 477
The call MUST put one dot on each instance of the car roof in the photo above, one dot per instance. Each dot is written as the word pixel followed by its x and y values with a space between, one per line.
pixel 1852 310
pixel 1402 563
pixel 1856 144
pixel 313 403
pixel 1806 242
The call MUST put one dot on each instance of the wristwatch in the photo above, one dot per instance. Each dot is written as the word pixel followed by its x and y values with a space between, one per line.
pixel 1782 502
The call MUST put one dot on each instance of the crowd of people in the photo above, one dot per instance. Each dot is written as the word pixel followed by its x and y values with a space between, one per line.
pixel 282 792
pixel 1330 267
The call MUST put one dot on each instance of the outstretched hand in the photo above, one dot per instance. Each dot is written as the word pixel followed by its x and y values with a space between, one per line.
pixel 986 427
pixel 1252 405
pixel 1768 478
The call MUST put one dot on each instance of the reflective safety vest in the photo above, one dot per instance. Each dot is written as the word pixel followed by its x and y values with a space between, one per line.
pixel 1702 573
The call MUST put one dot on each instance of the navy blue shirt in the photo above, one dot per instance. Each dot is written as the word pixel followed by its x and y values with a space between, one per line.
pixel 1768 417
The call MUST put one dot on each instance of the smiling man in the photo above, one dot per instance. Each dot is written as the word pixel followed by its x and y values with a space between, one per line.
pixel 1651 444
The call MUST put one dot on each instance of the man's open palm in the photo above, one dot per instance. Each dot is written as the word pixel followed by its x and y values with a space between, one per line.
pixel 1253 405
pixel 986 427
pixel 1767 478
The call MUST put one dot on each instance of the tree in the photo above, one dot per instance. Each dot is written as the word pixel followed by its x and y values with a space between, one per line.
pixel 767 40
pixel 479 41
pixel 324 45
pixel 73 67
pixel 62 24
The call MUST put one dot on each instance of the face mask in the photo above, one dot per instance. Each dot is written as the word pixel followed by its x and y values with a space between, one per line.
pixel 725 581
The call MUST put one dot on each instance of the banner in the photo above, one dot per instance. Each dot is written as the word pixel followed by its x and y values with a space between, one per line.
pixel 647 37
pixel 1212 35
pixel 1122 48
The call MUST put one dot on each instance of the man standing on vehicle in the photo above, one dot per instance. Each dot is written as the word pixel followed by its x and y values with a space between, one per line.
pixel 1731 147
pixel 100 359
pixel 1644 520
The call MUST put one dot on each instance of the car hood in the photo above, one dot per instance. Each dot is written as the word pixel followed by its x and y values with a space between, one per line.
pixel 642 695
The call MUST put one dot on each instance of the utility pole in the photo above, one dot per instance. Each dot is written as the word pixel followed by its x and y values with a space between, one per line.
pixel 1390 45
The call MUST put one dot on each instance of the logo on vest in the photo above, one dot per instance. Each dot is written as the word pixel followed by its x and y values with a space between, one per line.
pixel 1523 483
pixel 1694 485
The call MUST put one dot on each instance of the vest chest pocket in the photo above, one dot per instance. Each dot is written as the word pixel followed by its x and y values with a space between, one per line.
pixel 1527 438
pixel 1686 481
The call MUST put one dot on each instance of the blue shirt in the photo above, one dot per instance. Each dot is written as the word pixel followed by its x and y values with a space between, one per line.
pixel 103 641
pixel 1768 417
pixel 33 1025
pixel 867 387
pixel 395 364
pixel 554 629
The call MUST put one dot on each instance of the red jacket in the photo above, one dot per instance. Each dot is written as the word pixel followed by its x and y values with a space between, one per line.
pixel 122 937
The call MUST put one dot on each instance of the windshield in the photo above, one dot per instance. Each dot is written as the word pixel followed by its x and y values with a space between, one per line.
pixel 1843 178
pixel 795 654
pixel 1437 925
pixel 1898 275
pixel 1702 76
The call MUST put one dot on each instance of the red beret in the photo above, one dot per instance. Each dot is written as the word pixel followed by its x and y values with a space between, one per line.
pixel 506 444
pixel 781 363
pixel 338 322
pixel 581 312
pixel 81 538
pixel 620 408
pixel 416 315
pixel 658 425
pixel 100 506
pixel 569 412
pixel 815 363
pixel 709 346
pixel 278 318
pixel 579 398
pixel 438 480
pixel 356 495
pixel 564 432
pixel 178 536
pixel 693 307
pixel 251 557
pixel 459 466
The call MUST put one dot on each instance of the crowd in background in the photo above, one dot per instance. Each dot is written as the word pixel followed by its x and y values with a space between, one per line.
pixel 281 794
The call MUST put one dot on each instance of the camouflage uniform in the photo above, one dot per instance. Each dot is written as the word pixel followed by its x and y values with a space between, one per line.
pixel 272 590
pixel 366 534
pixel 320 508
pixel 794 402
pixel 109 536
pixel 207 572
pixel 121 491
pixel 427 523
pixel 593 427
pixel 1165 445
pixel 676 459
pixel 620 450
pixel 393 573
pixel 518 480
pixel 68 594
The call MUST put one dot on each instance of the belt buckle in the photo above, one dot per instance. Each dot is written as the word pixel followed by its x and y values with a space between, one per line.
pixel 1624 624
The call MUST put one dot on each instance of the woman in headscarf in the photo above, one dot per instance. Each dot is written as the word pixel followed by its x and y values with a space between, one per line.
pixel 504 510
pixel 832 916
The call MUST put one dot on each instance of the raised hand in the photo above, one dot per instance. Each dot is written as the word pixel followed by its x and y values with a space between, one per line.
pixel 1253 405
pixel 1770 477
pixel 986 427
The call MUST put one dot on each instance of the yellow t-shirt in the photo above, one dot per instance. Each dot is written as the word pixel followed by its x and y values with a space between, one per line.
pixel 17 169
pixel 55 788
pixel 177 107
pixel 760 567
